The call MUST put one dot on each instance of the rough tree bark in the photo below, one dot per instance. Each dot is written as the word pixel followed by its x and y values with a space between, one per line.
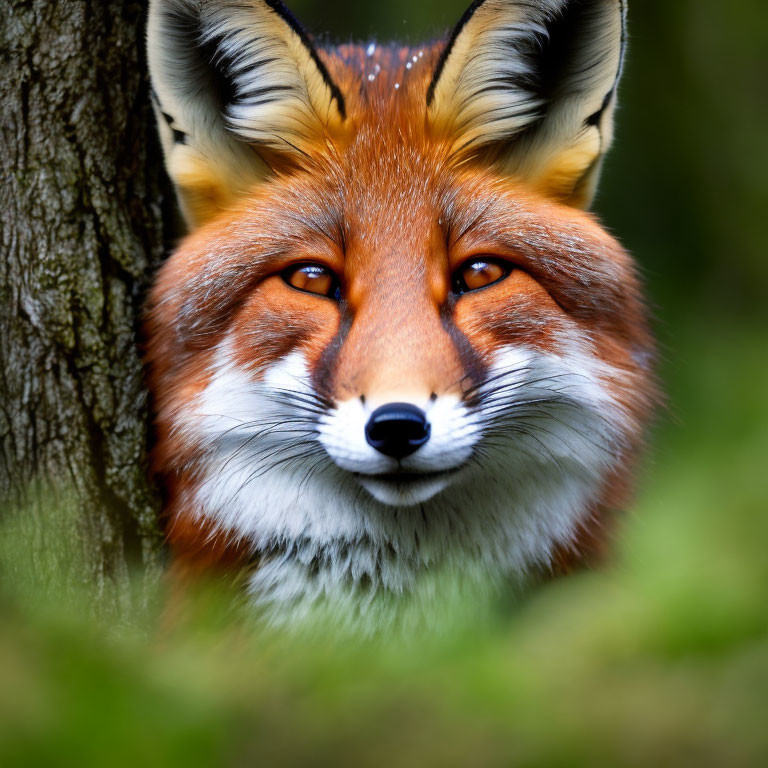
pixel 81 228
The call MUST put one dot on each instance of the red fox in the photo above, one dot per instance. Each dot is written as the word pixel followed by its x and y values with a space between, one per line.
pixel 394 342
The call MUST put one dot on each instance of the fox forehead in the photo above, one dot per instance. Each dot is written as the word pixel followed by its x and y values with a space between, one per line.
pixel 384 85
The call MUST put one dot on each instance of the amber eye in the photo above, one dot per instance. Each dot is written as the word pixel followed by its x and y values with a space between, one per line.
pixel 313 278
pixel 479 273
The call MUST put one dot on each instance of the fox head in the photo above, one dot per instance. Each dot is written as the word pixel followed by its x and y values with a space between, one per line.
pixel 394 341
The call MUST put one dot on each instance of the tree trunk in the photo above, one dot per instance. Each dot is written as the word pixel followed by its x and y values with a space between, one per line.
pixel 81 212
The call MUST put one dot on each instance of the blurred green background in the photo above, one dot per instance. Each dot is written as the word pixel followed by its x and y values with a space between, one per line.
pixel 660 659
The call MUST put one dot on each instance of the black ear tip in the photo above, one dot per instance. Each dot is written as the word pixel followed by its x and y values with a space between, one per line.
pixel 446 52
pixel 287 16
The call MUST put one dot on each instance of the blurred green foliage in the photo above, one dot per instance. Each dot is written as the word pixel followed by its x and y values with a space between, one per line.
pixel 660 659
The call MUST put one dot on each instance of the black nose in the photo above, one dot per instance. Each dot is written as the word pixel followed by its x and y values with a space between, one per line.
pixel 397 429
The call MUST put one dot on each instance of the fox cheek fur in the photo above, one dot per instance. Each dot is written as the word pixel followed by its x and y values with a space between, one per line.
pixel 393 342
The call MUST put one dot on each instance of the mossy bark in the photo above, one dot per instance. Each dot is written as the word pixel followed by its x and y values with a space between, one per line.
pixel 81 228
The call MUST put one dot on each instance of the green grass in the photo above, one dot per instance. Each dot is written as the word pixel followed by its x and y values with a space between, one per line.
pixel 659 659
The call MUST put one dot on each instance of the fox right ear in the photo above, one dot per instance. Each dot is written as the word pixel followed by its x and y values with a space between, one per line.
pixel 533 83
pixel 237 85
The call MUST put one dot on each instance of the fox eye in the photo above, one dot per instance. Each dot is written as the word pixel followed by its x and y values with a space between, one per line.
pixel 479 273
pixel 313 278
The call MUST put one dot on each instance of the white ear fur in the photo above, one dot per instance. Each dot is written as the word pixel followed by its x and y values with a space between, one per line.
pixel 231 77
pixel 537 80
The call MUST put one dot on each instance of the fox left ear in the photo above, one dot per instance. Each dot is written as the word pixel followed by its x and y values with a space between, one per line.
pixel 239 88
pixel 534 84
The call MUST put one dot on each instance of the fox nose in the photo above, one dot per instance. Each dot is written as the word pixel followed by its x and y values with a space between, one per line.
pixel 397 429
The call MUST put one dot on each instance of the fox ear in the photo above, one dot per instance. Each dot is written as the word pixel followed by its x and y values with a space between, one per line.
pixel 237 86
pixel 535 84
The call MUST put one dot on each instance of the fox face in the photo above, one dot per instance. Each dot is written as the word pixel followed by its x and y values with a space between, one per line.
pixel 394 341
